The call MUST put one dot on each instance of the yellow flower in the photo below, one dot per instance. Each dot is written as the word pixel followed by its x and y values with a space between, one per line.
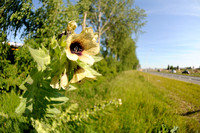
pixel 82 46
pixel 63 81
pixel 81 74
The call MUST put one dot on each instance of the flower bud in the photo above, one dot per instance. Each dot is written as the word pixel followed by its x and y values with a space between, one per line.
pixel 71 26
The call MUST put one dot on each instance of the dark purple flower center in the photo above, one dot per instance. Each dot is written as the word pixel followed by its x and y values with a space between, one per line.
pixel 76 48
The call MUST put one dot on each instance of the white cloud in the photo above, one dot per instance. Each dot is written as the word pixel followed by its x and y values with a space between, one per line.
pixel 172 7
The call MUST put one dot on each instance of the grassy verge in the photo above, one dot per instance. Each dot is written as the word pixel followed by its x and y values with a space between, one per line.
pixel 150 103
pixel 184 96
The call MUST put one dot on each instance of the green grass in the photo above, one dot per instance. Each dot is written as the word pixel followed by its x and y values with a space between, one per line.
pixel 8 103
pixel 150 103
pixel 9 120
pixel 177 90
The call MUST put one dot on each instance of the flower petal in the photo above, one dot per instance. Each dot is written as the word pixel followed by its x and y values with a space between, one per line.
pixel 54 82
pixel 88 39
pixel 64 81
pixel 71 56
pixel 86 58
pixel 88 74
pixel 81 74
pixel 78 75
pixel 93 50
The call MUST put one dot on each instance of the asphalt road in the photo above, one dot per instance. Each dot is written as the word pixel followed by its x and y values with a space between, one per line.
pixel 191 79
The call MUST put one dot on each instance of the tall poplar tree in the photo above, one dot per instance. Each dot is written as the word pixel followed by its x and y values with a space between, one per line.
pixel 116 21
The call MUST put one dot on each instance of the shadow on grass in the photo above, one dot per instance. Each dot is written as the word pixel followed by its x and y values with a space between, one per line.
pixel 190 112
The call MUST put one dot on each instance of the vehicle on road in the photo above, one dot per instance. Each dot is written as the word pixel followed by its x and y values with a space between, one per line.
pixel 186 72
pixel 173 71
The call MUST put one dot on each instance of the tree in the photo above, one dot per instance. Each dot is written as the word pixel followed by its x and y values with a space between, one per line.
pixel 168 67
pixel 171 67
pixel 128 56
pixel 178 68
pixel 115 25
pixel 50 19
pixel 102 16
pixel 14 14
pixel 83 7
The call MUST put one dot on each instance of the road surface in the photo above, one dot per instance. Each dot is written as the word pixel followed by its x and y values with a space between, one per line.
pixel 191 79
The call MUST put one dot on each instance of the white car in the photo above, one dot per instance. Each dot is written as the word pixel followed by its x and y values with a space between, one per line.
pixel 173 71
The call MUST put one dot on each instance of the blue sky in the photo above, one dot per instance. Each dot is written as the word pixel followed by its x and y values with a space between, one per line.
pixel 172 33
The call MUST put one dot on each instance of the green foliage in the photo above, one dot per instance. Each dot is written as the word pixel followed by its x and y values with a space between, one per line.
pixel 168 67
pixel 116 26
pixel 14 124
pixel 76 121
pixel 4 50
pixel 14 14
pixel 9 78
pixel 24 61
pixel 102 67
pixel 9 121
pixel 39 100
pixel 12 81
pixel 14 66
pixel 39 97
pixel 164 129
pixel 49 19
pixel 150 103
pixel 148 106
pixel 10 99
pixel 41 57
pixel 128 56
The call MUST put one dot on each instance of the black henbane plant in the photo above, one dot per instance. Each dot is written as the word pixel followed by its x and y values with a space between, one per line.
pixel 68 61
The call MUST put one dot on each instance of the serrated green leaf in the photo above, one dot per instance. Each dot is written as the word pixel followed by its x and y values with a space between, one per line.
pixel 27 80
pixel 40 97
pixel 3 115
pixel 40 126
pixel 62 99
pixel 54 42
pixel 55 47
pixel 52 111
pixel 41 57
pixel 21 108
